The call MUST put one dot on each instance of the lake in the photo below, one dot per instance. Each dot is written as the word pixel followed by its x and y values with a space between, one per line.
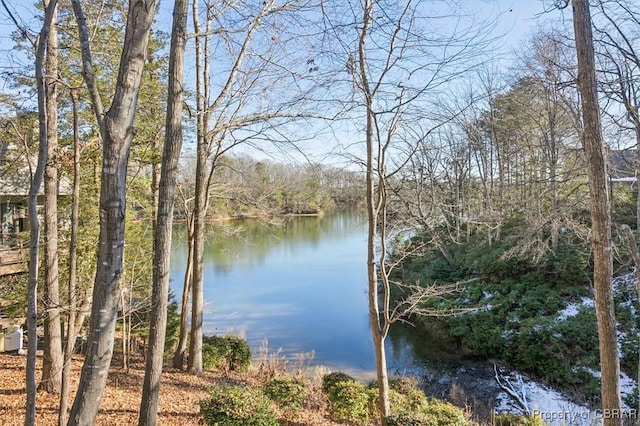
pixel 300 284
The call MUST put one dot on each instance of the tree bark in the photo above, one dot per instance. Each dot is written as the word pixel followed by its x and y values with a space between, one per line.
pixel 73 266
pixel 52 359
pixel 164 220
pixel 377 332
pixel 181 347
pixel 32 203
pixel 600 214
pixel 116 129
pixel 194 364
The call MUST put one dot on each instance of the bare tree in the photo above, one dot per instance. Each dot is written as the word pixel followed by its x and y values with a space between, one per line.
pixel 41 45
pixel 72 299
pixel 164 219
pixel 181 346
pixel 620 58
pixel 397 71
pixel 52 360
pixel 264 87
pixel 601 242
pixel 116 130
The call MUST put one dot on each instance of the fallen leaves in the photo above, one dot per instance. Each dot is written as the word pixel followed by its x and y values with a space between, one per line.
pixel 178 404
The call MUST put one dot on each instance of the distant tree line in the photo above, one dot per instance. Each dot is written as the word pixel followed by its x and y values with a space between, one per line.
pixel 246 187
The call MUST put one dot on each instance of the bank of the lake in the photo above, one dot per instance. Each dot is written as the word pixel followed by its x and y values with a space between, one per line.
pixel 536 315
pixel 299 287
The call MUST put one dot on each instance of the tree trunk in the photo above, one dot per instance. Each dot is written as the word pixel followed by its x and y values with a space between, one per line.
pixel 34 234
pixel 73 266
pixel 377 332
pixel 126 336
pixel 181 347
pixel 52 360
pixel 116 129
pixel 600 214
pixel 197 282
pixel 194 365
pixel 164 221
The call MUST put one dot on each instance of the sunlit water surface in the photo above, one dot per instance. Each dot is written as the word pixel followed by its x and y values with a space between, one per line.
pixel 300 286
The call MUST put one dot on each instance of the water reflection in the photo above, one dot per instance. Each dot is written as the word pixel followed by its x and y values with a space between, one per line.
pixel 300 284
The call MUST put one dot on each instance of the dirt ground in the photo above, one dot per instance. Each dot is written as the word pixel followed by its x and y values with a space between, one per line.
pixel 180 394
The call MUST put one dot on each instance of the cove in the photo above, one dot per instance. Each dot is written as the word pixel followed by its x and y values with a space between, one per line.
pixel 300 284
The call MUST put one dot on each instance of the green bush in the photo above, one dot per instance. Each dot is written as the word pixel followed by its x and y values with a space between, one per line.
pixel 514 420
pixel 405 396
pixel 225 352
pixel 350 401
pixel 288 392
pixel 432 413
pixel 330 380
pixel 232 405
pixel 435 413
pixel 442 413
pixel 409 419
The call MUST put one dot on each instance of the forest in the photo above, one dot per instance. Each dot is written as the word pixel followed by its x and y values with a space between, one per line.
pixel 498 179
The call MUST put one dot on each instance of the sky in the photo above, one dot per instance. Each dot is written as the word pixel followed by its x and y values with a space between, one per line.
pixel 514 21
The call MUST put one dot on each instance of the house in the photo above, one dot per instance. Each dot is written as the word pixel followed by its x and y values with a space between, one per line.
pixel 13 222
pixel 15 173
pixel 14 218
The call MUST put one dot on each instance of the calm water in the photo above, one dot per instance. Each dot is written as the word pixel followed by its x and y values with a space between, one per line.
pixel 301 285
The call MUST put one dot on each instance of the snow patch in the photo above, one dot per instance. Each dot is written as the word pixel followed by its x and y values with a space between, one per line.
pixel 552 406
pixel 627 388
pixel 572 309
pixel 626 280
pixel 555 408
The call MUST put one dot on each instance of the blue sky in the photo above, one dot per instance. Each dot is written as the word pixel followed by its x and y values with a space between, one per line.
pixel 515 20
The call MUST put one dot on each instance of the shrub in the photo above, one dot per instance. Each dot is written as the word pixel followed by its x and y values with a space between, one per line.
pixel 330 380
pixel 433 413
pixel 233 405
pixel 409 419
pixel 226 352
pixel 411 401
pixel 350 401
pixel 287 392
pixel 442 413
pixel 514 420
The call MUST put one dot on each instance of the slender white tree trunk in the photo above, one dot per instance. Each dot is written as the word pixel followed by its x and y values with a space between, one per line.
pixel 34 234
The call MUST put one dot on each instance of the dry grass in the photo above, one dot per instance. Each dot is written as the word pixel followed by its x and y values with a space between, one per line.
pixel 180 394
